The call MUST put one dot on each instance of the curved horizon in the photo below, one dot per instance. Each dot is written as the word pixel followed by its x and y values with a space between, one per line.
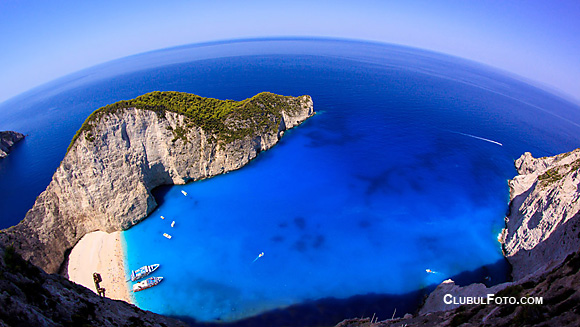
pixel 75 75
pixel 536 40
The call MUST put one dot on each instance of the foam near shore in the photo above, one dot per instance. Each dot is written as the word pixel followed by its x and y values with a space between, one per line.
pixel 103 253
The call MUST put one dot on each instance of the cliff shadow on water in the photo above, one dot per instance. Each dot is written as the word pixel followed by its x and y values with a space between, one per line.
pixel 160 192
pixel 330 311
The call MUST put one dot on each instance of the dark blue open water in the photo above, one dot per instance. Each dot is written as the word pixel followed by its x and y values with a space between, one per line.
pixel 403 169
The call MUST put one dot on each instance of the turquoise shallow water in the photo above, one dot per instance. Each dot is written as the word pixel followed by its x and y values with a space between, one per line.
pixel 394 175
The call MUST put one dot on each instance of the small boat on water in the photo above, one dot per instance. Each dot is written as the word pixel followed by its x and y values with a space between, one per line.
pixel 173 223
pixel 184 193
pixel 143 271
pixel 145 284
pixel 167 236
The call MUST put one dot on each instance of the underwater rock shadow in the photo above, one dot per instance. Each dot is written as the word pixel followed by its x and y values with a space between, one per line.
pixel 330 311
pixel 325 137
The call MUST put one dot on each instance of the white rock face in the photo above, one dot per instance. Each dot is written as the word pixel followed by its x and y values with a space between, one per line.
pixel 543 226
pixel 105 180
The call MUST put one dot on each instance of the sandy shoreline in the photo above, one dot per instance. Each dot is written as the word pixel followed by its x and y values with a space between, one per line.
pixel 103 253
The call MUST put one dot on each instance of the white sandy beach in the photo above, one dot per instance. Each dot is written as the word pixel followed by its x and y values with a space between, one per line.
pixel 100 252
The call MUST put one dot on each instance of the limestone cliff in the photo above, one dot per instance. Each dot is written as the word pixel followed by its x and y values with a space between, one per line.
pixel 121 154
pixel 543 225
pixel 7 141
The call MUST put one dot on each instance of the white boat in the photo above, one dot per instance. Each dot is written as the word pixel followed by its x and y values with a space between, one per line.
pixel 184 193
pixel 173 223
pixel 167 235
pixel 143 271
pixel 145 284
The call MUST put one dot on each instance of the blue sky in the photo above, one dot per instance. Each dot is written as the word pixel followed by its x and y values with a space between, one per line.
pixel 44 40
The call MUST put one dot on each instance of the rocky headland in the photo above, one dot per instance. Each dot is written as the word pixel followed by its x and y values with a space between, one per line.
pixel 541 241
pixel 7 141
pixel 124 150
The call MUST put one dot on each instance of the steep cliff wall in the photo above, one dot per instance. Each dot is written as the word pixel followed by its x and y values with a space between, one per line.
pixel 105 180
pixel 543 225
pixel 7 141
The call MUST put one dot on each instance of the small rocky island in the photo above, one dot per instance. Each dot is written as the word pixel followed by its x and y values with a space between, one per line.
pixel 126 149
pixel 7 141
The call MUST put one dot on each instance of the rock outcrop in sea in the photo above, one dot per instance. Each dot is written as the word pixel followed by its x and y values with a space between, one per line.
pixel 123 152
pixel 7 141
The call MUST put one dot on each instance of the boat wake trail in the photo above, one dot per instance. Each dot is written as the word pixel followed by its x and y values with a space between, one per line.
pixel 478 137
pixel 258 257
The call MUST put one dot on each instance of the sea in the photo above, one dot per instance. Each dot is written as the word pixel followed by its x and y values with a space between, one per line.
pixel 397 183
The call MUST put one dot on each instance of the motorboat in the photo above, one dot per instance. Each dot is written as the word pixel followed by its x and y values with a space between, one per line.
pixel 143 271
pixel 145 284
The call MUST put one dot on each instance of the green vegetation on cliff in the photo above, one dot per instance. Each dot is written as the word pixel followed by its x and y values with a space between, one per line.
pixel 557 173
pixel 228 120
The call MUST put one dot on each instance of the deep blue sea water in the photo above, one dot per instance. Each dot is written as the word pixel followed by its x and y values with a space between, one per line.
pixel 403 169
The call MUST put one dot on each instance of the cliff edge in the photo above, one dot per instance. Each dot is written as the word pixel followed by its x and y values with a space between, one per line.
pixel 125 150
pixel 7 141
pixel 543 224
pixel 30 297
